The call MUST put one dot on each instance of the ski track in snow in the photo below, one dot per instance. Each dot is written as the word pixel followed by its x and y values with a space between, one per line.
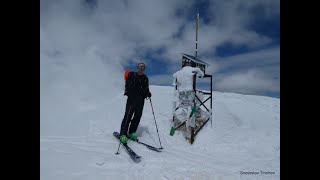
pixel 244 136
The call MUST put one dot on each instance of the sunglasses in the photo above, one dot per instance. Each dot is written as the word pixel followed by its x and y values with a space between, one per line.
pixel 141 67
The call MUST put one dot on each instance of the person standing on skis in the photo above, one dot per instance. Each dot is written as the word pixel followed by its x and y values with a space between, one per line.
pixel 137 89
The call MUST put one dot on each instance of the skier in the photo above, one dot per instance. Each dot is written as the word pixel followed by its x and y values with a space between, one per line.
pixel 184 96
pixel 137 89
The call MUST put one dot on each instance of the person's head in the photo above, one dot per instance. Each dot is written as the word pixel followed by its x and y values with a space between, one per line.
pixel 186 63
pixel 140 68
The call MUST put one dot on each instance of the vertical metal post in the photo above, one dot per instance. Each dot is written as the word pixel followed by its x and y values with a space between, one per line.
pixel 197 34
pixel 211 98
pixel 192 135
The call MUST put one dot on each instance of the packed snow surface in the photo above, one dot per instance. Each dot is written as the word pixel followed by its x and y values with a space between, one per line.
pixel 241 142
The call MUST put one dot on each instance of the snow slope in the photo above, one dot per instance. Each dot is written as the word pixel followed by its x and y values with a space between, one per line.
pixel 244 137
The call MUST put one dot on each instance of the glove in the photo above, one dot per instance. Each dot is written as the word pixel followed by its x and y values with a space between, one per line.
pixel 149 94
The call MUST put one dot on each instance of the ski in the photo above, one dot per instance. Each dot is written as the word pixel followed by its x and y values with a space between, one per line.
pixel 132 154
pixel 148 146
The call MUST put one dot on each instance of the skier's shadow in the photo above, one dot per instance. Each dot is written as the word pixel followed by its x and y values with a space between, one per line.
pixel 142 130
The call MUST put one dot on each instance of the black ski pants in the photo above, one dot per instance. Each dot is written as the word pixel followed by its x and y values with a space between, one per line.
pixel 134 106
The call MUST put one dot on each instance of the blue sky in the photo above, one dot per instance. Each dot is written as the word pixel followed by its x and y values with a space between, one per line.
pixel 240 39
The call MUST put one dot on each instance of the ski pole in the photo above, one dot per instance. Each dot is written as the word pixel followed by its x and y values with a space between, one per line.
pixel 155 122
pixel 118 148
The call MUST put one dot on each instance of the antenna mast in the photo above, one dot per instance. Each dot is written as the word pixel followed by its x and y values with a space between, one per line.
pixel 197 34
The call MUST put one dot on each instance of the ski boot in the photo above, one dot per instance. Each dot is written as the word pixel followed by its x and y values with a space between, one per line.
pixel 133 136
pixel 124 139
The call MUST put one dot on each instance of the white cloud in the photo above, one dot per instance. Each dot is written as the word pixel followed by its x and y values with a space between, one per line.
pixel 250 82
pixel 231 22
pixel 259 58
pixel 250 73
